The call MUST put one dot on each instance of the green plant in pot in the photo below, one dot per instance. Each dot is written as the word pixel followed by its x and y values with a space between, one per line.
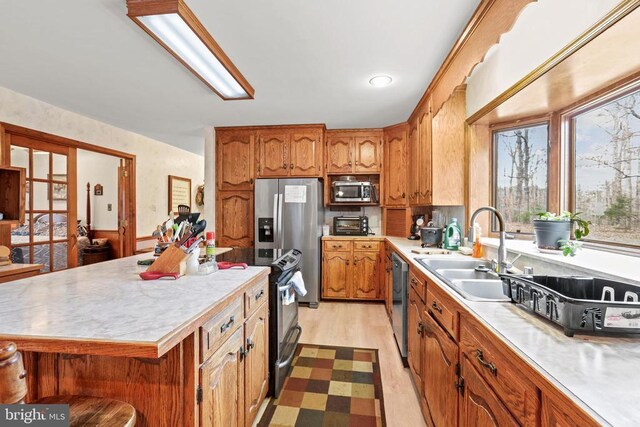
pixel 554 231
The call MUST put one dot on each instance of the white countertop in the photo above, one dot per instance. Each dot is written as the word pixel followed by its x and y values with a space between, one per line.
pixel 109 303
pixel 598 373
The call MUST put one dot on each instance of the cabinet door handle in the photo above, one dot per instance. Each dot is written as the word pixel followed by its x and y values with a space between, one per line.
pixel 259 295
pixel 284 166
pixel 490 366
pixel 349 162
pixel 414 281
pixel 291 166
pixel 356 163
pixel 347 262
pixel 355 262
pixel 251 181
pixel 436 308
pixel 403 195
pixel 250 345
pixel 420 328
pixel 227 325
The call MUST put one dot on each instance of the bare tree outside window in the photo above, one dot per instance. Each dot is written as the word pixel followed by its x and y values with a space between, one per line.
pixel 607 169
pixel 520 159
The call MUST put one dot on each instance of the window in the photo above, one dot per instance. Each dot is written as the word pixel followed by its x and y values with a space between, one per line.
pixel 606 163
pixel 520 174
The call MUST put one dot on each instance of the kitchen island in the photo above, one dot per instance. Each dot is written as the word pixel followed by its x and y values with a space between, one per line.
pixel 176 350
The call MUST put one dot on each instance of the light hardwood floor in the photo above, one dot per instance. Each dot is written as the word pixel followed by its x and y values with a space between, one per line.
pixel 367 325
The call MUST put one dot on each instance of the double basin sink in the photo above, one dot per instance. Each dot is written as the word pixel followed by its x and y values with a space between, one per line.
pixel 468 277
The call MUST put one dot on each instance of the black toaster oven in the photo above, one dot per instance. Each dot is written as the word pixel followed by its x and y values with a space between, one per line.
pixel 350 226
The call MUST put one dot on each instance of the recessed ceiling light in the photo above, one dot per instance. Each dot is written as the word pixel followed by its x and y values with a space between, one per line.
pixel 380 81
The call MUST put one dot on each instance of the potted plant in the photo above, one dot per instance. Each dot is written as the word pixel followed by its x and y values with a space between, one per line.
pixel 552 231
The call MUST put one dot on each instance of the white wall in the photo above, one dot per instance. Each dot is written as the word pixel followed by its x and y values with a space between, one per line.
pixel 100 169
pixel 543 29
pixel 155 160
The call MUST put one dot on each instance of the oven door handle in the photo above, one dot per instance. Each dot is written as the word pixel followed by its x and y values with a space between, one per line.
pixel 290 357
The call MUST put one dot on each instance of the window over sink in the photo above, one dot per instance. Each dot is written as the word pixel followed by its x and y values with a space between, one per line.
pixel 604 144
pixel 520 165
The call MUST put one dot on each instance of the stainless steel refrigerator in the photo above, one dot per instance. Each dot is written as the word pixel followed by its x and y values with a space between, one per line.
pixel 289 215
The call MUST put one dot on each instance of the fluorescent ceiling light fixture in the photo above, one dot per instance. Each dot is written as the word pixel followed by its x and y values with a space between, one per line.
pixel 172 24
pixel 380 81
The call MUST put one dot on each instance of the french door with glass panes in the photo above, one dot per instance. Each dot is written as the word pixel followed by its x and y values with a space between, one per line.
pixel 49 234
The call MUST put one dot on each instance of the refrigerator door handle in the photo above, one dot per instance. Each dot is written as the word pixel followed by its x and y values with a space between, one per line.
pixel 280 230
pixel 276 230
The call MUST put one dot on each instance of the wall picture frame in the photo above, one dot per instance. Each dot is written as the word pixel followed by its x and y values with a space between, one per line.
pixel 179 192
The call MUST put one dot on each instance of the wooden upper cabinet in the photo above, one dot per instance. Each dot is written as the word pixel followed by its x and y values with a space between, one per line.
pixel 448 151
pixel 413 182
pixel 234 218
pixel 367 153
pixel 256 363
pixel 365 275
pixel 221 379
pixel 305 154
pixel 395 149
pixel 339 153
pixel 235 159
pixel 290 151
pixel 425 167
pixel 273 154
pixel 479 406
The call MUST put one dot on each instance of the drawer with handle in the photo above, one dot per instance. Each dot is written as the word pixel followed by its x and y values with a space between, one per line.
pixel 417 283
pixel 442 308
pixel 255 297
pixel 500 372
pixel 338 245
pixel 220 327
pixel 364 245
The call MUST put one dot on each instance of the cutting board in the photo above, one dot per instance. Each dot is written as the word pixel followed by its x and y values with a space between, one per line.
pixel 431 251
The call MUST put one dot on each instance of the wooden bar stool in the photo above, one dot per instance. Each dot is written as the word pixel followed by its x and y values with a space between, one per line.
pixel 83 410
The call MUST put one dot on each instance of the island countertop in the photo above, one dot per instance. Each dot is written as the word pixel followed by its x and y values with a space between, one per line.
pixel 106 309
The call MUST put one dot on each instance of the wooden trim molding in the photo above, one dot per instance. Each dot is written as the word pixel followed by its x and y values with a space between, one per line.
pixel 145 238
pixel 619 12
pixel 491 19
pixel 137 8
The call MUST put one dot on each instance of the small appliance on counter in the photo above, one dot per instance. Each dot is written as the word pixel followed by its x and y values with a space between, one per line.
pixel 414 232
pixel 351 225
pixel 431 236
pixel 347 189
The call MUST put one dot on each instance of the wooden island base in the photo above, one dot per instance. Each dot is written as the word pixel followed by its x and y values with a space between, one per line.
pixel 216 376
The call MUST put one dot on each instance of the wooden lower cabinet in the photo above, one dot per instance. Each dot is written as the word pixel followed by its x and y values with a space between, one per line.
pixel 234 218
pixel 440 365
pixel 336 273
pixel 388 282
pixel 415 336
pixel 234 381
pixel 479 406
pixel 256 362
pixel 352 270
pixel 558 412
pixel 366 276
pixel 222 382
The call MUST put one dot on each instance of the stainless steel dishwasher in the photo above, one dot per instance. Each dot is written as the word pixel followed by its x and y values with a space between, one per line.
pixel 400 301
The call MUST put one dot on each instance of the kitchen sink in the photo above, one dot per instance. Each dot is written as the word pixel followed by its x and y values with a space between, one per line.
pixel 481 289
pixel 465 273
pixel 434 264
pixel 461 275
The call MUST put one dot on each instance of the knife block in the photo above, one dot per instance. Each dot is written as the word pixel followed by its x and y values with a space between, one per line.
pixel 172 260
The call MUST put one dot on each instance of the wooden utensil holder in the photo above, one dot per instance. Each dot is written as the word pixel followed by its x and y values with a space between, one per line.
pixel 172 260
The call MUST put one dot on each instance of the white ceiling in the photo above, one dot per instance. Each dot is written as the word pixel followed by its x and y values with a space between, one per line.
pixel 308 60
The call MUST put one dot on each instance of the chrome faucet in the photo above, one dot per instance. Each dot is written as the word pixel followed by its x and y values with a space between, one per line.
pixel 502 249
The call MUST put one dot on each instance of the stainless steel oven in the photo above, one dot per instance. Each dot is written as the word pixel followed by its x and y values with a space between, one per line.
pixel 284 330
pixel 351 191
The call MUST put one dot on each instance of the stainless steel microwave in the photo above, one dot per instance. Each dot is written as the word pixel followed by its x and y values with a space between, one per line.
pixel 353 192
pixel 350 226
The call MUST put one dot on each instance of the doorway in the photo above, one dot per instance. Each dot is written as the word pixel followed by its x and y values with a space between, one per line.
pixel 55 197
